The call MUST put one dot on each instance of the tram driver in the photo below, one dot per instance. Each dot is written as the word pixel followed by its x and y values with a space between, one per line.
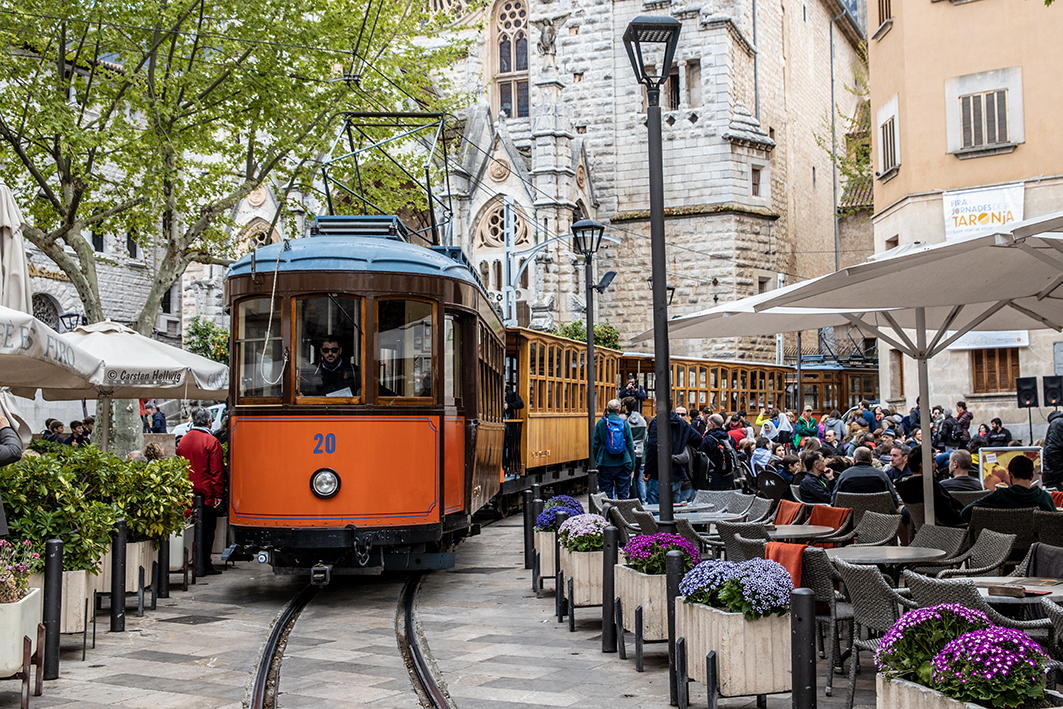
pixel 333 376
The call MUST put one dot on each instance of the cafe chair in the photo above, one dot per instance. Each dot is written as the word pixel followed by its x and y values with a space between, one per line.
pixel 947 539
pixel 1043 560
pixel 761 510
pixel 795 490
pixel 984 558
pixel 749 548
pixel 861 502
pixel 876 607
pixel 789 512
pixel 1049 526
pixel 627 528
pixel 927 591
pixel 719 499
pixel 1054 612
pixel 1017 521
pixel 874 530
pixel 594 502
pixel 726 540
pixel 686 530
pixel 818 574
pixel 771 485
pixel 966 497
pixel 647 524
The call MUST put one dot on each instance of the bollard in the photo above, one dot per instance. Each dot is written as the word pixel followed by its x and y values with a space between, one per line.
pixel 592 481
pixel 164 570
pixel 536 492
pixel 683 693
pixel 140 592
pixel 118 577
pixel 559 589
pixel 202 554
pixel 673 569
pixel 529 527
pixel 610 549
pixel 53 605
pixel 803 648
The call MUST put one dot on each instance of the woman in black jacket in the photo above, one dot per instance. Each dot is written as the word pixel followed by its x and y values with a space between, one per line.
pixel 10 451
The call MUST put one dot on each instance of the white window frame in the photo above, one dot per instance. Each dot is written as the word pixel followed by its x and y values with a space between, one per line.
pixel 1008 79
pixel 888 110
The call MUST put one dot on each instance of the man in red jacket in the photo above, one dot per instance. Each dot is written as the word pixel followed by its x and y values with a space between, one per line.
pixel 203 452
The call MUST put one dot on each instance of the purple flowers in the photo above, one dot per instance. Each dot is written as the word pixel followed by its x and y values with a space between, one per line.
pixel 583 533
pixel 16 561
pixel 564 501
pixel 545 521
pixel 958 651
pixel 645 553
pixel 755 588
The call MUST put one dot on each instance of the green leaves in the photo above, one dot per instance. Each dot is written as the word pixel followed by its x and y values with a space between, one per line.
pixel 205 338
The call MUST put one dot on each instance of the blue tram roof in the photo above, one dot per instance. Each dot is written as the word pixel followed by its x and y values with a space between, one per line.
pixel 364 244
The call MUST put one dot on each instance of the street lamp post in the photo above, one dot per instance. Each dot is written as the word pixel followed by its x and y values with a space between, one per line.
pixel 642 33
pixel 587 239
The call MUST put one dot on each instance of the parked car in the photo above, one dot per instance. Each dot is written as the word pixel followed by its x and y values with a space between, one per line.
pixel 216 412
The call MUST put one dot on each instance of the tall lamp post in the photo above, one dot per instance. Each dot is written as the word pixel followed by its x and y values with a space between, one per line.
pixel 641 35
pixel 587 239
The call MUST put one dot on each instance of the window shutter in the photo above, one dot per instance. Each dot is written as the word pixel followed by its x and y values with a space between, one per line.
pixel 977 120
pixel 965 112
pixel 990 119
pixel 1002 116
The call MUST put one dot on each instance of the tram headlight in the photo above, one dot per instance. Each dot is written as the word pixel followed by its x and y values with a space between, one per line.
pixel 325 483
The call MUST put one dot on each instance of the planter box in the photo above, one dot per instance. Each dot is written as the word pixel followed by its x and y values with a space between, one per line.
pixel 752 657
pixel 544 544
pixel 138 554
pixel 19 620
pixel 649 591
pixel 902 694
pixel 585 570
pixel 75 590
pixel 178 543
pixel 221 535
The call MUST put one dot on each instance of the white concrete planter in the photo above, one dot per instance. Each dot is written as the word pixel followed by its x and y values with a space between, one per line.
pixel 544 544
pixel 902 694
pixel 138 554
pixel 75 590
pixel 178 543
pixel 585 570
pixel 19 620
pixel 221 535
pixel 649 591
pixel 752 657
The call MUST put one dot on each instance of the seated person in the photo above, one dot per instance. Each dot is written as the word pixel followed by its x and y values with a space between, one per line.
pixel 1022 493
pixel 946 507
pixel 960 470
pixel 332 376
pixel 863 477
pixel 819 483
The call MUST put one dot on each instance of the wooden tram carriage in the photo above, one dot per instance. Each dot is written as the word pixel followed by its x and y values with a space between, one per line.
pixel 547 439
pixel 366 426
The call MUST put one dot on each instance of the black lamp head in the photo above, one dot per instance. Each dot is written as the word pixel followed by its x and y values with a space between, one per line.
pixel 644 31
pixel 587 235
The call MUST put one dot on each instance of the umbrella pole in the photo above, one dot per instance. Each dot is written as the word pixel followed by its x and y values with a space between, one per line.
pixel 924 418
pixel 105 422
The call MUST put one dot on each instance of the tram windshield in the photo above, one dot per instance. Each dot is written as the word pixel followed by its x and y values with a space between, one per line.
pixel 329 346
pixel 404 331
pixel 259 350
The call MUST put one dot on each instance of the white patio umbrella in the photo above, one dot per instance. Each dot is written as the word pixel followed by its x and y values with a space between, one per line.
pixel 138 367
pixel 1005 279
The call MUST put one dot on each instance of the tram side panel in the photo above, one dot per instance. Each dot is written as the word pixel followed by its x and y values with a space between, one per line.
pixel 388 468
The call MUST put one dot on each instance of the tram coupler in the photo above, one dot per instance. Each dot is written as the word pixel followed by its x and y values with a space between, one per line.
pixel 320 574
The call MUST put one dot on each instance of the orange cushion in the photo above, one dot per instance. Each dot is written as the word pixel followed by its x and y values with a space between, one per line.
pixel 789 555
pixel 788 512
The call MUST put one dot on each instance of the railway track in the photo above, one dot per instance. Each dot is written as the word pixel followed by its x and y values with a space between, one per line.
pixel 266 679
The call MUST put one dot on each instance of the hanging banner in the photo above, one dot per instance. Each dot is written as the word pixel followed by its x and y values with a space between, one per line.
pixel 975 211
pixel 990 339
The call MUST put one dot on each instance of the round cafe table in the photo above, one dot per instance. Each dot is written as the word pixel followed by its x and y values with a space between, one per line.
pixel 680 508
pixel 698 518
pixel 892 557
pixel 800 531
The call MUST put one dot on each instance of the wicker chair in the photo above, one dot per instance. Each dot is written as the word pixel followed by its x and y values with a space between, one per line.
pixel 927 591
pixel 749 548
pixel 800 515
pixel 875 607
pixel 916 514
pixel 861 502
pixel 727 532
pixel 594 502
pixel 1054 613
pixel 686 530
pixel 818 574
pixel 966 497
pixel 947 539
pixel 984 558
pixel 717 498
pixel 795 490
pixel 761 510
pixel 740 504
pixel 1018 521
pixel 627 529
pixel 1023 567
pixel 874 530
pixel 840 535
pixel 1049 526
pixel 647 524
pixel 625 506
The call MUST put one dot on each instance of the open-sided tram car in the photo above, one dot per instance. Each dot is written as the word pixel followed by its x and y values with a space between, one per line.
pixel 367 395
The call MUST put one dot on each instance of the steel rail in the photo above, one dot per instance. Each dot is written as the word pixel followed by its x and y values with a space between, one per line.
pixel 269 652
pixel 419 664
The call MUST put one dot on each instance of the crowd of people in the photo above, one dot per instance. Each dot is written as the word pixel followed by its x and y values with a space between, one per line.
pixel 874 449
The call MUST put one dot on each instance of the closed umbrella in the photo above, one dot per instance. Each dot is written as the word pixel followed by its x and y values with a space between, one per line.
pixel 138 367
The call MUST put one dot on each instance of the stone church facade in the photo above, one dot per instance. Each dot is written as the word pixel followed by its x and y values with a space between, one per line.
pixel 560 130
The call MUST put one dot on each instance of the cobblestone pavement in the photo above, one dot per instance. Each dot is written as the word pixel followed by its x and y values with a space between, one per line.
pixel 494 643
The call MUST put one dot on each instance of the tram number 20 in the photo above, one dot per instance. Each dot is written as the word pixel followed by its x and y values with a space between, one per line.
pixel 325 443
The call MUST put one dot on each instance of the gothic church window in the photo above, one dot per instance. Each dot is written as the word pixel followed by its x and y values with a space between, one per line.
pixel 491 233
pixel 511 55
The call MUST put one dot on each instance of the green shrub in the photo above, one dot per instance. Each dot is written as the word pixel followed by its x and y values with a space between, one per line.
pixel 44 499
pixel 153 497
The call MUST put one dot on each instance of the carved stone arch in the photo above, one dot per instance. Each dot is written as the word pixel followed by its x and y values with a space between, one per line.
pixel 256 234
pixel 489 230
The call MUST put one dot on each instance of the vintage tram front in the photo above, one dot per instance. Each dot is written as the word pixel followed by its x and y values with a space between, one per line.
pixel 367 400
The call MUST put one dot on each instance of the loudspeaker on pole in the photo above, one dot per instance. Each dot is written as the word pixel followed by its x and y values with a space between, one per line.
pixel 1026 388
pixel 1053 390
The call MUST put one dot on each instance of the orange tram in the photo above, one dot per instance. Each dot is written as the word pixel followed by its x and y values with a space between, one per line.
pixel 367 393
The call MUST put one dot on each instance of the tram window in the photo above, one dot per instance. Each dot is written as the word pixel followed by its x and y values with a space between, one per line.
pixel 404 332
pixel 260 352
pixel 452 355
pixel 329 346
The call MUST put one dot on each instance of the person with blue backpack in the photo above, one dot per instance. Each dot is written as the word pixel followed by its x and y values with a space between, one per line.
pixel 613 448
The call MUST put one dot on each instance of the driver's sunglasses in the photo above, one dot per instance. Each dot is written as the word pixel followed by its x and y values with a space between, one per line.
pixel 330 349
